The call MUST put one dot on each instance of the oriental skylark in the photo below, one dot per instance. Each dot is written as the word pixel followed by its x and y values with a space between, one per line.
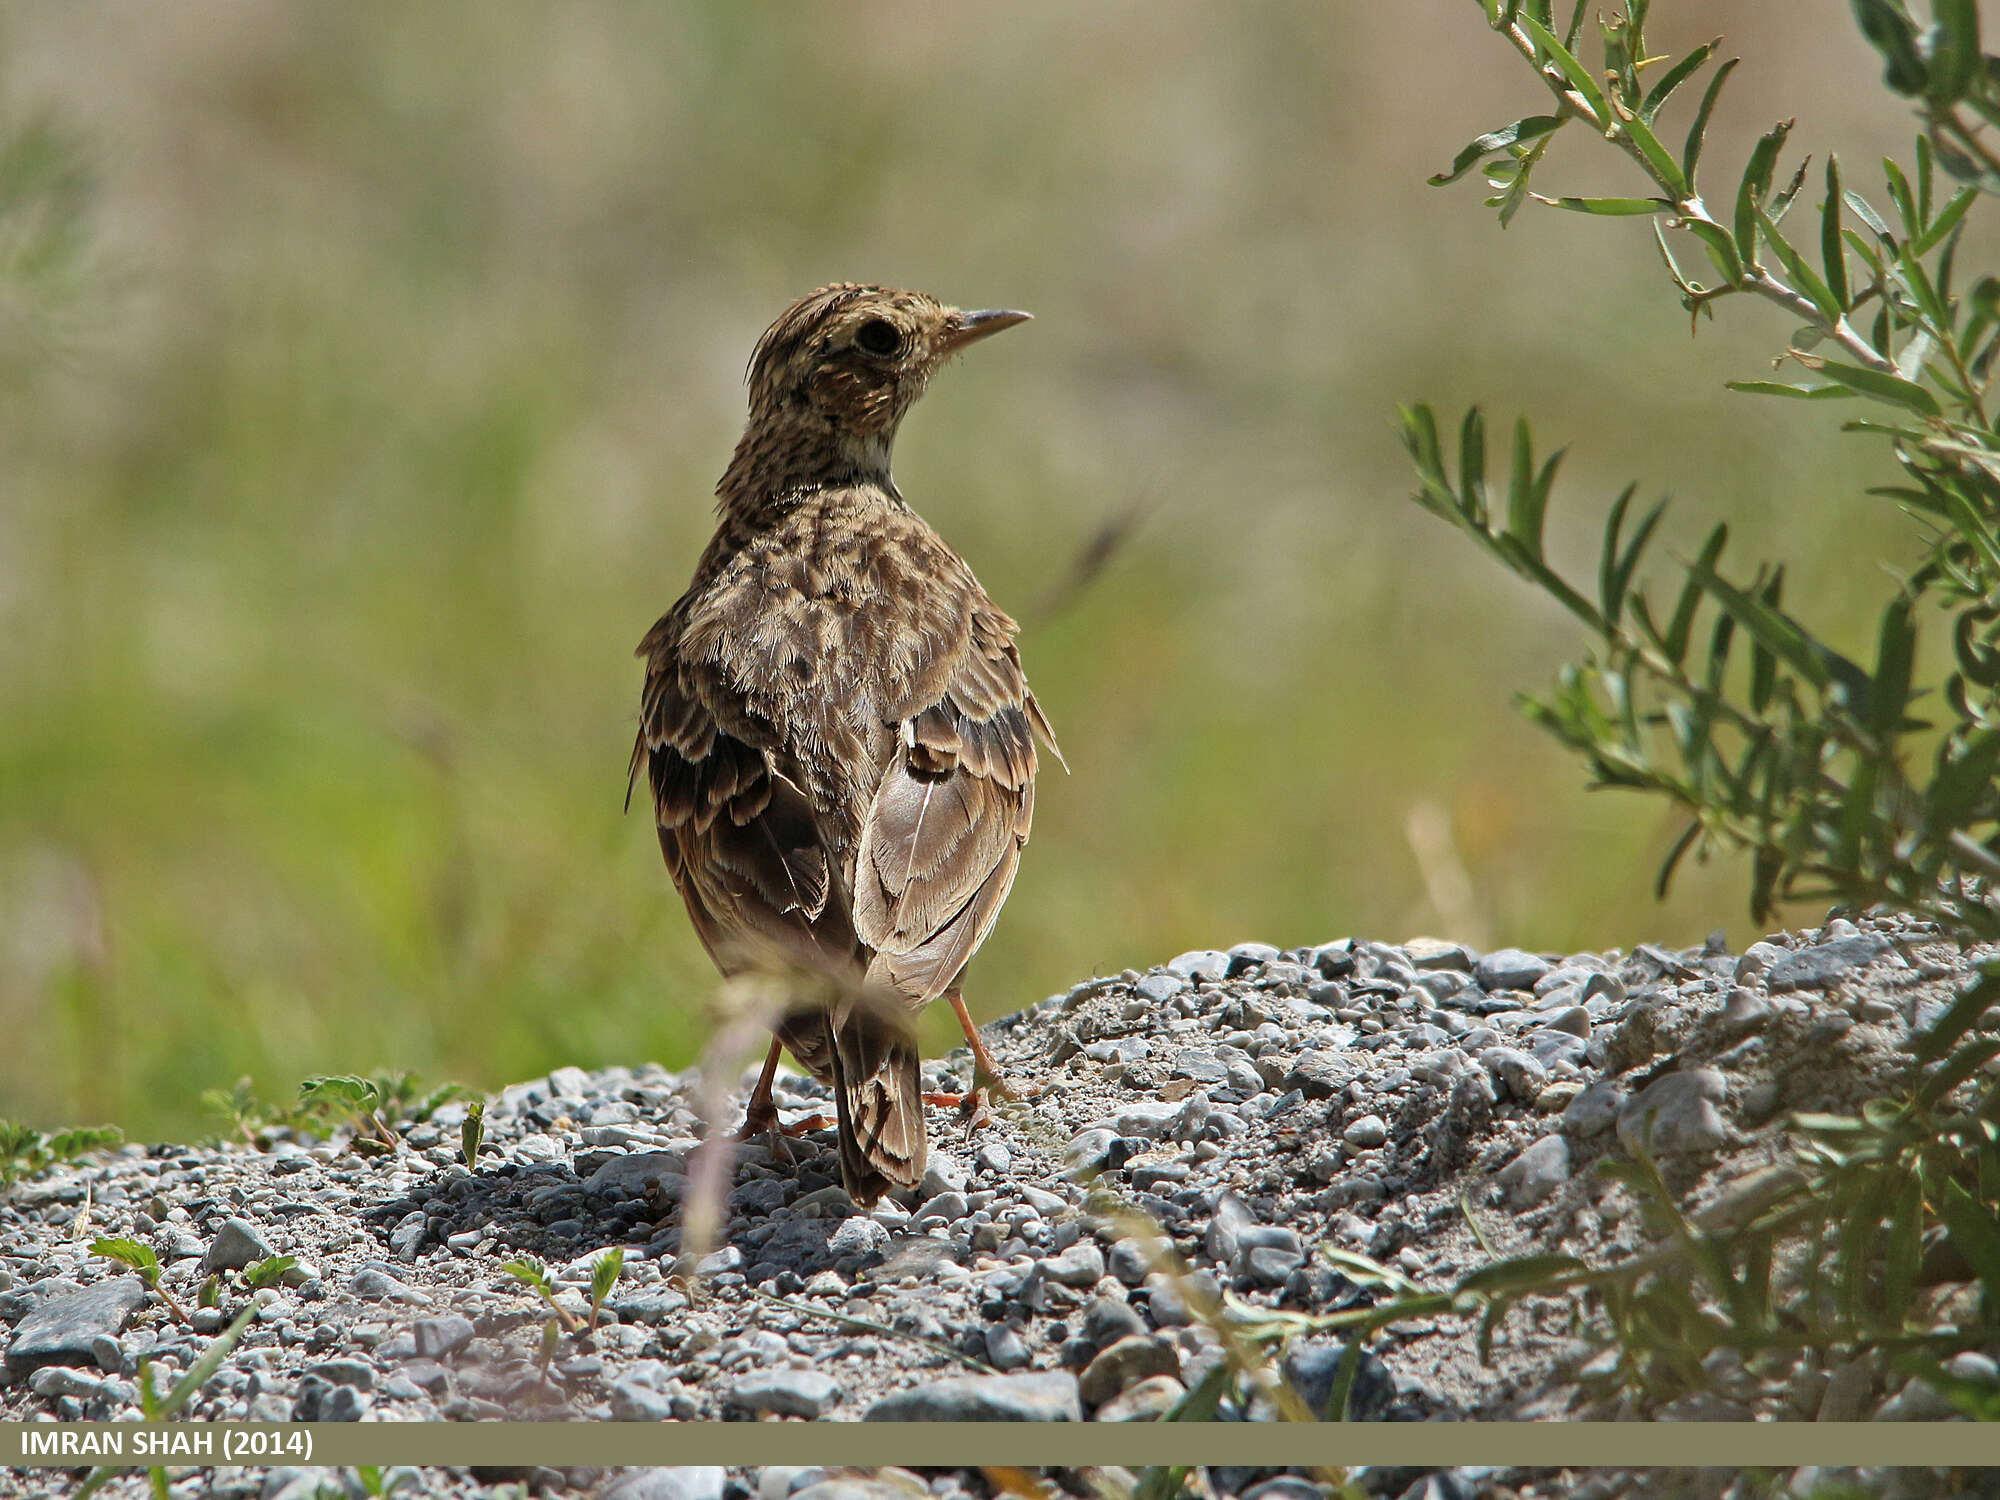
pixel 835 726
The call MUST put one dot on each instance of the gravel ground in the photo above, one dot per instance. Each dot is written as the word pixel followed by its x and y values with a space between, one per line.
pixel 1255 1102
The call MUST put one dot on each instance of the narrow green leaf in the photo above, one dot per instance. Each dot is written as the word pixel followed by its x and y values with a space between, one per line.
pixel 1964 776
pixel 1666 171
pixel 1817 663
pixel 1578 75
pixel 1865 212
pixel 1902 197
pixel 1963 1013
pixel 1612 207
pixel 1698 131
pixel 1968 1059
pixel 1673 78
pixel 1201 1403
pixel 1891 34
pixel 1526 500
pixel 1756 183
pixel 1528 1272
pixel 203 1369
pixel 1795 266
pixel 1945 222
pixel 1340 1396
pixel 1721 248
pixel 1675 855
pixel 1796 392
pixel 1881 385
pixel 1926 179
pixel 1973 1233
pixel 1832 251
pixel 1527 129
pixel 1889 693
pixel 1472 465
pixel 1682 624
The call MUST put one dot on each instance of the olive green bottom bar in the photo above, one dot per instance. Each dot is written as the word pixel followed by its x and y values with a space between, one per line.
pixel 961 1444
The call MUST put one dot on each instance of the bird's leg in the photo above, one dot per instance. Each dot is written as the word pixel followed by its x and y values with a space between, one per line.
pixel 760 1115
pixel 975 1105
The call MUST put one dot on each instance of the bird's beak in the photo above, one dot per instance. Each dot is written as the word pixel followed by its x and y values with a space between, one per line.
pixel 974 326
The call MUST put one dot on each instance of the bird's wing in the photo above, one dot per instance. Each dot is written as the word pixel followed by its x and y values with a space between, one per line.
pixel 943 835
pixel 741 839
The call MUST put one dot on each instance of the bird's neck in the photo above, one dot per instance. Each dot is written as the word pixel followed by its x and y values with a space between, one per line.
pixel 776 464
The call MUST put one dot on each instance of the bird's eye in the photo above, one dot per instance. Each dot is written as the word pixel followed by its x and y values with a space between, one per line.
pixel 879 337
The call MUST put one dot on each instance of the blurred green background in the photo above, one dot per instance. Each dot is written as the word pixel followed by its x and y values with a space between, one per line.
pixel 407 347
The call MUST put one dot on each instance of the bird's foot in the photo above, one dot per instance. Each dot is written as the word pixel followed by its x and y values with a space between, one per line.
pixel 764 1124
pixel 975 1105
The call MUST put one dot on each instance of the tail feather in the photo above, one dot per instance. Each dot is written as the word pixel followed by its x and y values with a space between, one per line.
pixel 879 1096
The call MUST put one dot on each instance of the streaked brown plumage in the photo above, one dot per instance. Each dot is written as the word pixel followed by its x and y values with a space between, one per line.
pixel 835 726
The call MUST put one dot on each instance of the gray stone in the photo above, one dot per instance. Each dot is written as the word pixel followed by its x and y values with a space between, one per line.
pixel 993 1159
pixel 377 1285
pixel 1200 1064
pixel 1087 1152
pixel 1082 1265
pixel 634 1399
pixel 1130 1360
pixel 1160 988
pixel 1225 1225
pixel 1509 969
pixel 689 1482
pixel 1251 955
pixel 56 1381
pixel 63 1330
pixel 1270 1265
pixel 437 1337
pixel 1311 1366
pixel 639 1174
pixel 651 1305
pixel 1593 1111
pixel 1522 1073
pixel 1146 1400
pixel 857 1236
pixel 1005 1348
pixel 1676 1112
pixel 1432 954
pixel 789 1393
pixel 1200 964
pixel 1823 963
pixel 1366 1133
pixel 1917 1401
pixel 1744 1012
pixel 238 1243
pixel 1285 1487
pixel 1046 1396
pixel 1127 1261
pixel 1535 1175
pixel 942 1174
pixel 355 1372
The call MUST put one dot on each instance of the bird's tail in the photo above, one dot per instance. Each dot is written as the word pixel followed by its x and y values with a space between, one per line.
pixel 879 1096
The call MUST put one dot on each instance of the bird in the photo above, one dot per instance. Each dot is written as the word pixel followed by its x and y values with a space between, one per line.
pixel 836 727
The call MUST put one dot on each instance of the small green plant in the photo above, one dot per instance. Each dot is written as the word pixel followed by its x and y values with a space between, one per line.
pixel 25 1151
pixel 603 1277
pixel 268 1272
pixel 141 1259
pixel 534 1276
pixel 472 1133
pixel 1858 783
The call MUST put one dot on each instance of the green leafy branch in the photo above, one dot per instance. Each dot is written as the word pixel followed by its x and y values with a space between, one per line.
pixel 25 1151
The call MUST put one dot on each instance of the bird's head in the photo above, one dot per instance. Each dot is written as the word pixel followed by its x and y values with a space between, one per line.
pixel 845 363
